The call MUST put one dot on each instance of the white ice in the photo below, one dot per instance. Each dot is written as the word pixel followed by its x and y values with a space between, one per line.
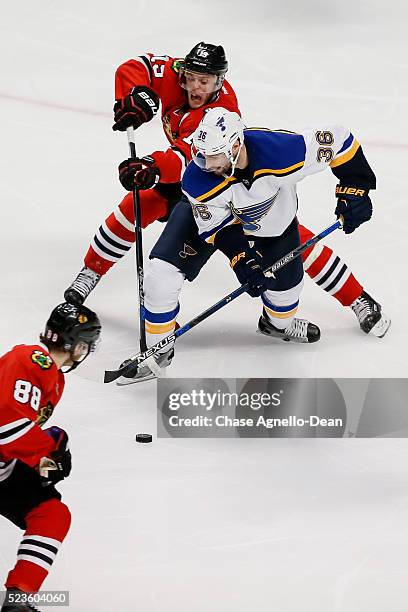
pixel 198 525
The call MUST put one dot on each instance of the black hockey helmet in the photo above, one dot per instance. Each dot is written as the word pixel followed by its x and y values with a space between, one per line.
pixel 70 325
pixel 206 58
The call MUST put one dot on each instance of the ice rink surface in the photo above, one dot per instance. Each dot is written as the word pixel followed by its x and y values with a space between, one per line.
pixel 199 525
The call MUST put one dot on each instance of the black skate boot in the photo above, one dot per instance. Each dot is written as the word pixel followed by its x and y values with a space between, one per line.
pixel 12 603
pixel 299 330
pixel 146 371
pixel 370 316
pixel 82 286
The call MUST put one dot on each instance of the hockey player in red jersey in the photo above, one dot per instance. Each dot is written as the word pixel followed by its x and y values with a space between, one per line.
pixel 185 91
pixel 186 88
pixel 33 459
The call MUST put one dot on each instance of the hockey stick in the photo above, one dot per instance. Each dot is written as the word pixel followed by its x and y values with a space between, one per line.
pixel 111 375
pixel 138 246
pixel 139 258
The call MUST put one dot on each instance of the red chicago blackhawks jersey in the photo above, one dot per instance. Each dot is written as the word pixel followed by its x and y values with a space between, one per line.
pixel 161 73
pixel 30 387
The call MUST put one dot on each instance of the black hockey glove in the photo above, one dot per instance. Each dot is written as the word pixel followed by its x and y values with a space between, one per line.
pixel 58 465
pixel 142 173
pixel 354 205
pixel 247 267
pixel 136 108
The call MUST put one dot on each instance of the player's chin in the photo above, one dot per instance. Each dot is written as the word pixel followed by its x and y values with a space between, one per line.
pixel 196 101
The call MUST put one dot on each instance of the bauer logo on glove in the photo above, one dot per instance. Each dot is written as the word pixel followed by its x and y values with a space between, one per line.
pixel 353 205
pixel 138 107
pixel 341 190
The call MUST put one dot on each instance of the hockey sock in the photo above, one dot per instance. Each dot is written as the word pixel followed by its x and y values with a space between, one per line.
pixel 162 285
pixel 116 235
pixel 160 325
pixel 281 306
pixel 47 526
pixel 280 316
pixel 329 271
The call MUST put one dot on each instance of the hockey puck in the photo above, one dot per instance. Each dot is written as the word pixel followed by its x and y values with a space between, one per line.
pixel 144 438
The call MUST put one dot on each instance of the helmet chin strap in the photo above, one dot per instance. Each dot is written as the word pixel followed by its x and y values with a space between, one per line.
pixel 75 364
pixel 233 160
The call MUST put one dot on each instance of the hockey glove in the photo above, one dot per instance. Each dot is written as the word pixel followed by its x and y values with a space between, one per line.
pixel 142 173
pixel 58 465
pixel 247 267
pixel 136 108
pixel 354 205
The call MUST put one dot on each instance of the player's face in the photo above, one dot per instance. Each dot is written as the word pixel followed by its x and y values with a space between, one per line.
pixel 219 164
pixel 200 87
pixel 80 351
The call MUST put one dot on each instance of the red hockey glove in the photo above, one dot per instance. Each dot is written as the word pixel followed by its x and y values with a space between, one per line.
pixel 136 108
pixel 142 173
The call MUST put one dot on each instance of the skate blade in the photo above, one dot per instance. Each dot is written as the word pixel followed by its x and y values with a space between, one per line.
pixel 155 372
pixel 123 382
pixel 282 339
pixel 381 327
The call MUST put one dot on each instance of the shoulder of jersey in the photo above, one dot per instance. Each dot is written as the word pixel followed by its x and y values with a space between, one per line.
pixel 34 355
pixel 277 153
pixel 175 63
pixel 204 186
pixel 227 98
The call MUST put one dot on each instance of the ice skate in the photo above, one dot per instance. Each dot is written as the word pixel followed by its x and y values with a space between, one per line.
pixel 370 316
pixel 17 606
pixel 145 371
pixel 300 330
pixel 82 286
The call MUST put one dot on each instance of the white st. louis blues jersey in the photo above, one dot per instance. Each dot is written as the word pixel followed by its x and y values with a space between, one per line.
pixel 264 201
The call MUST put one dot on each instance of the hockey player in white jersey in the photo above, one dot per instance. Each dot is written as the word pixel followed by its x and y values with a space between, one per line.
pixel 241 185
pixel 242 188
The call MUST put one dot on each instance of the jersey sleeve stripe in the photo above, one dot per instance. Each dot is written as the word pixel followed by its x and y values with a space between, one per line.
pixel 14 431
pixel 347 143
pixel 6 469
pixel 346 156
pixel 216 190
pixel 258 129
pixel 143 59
pixel 279 171
pixel 12 425
pixel 262 129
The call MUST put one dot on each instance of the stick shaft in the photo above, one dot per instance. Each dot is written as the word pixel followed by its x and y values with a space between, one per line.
pixel 138 247
pixel 278 265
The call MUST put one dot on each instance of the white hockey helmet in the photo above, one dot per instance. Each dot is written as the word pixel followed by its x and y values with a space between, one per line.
pixel 217 132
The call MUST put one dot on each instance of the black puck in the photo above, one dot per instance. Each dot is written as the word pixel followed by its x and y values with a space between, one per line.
pixel 144 438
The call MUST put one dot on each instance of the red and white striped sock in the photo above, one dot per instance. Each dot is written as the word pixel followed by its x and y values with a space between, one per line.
pixel 47 526
pixel 329 271
pixel 115 237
